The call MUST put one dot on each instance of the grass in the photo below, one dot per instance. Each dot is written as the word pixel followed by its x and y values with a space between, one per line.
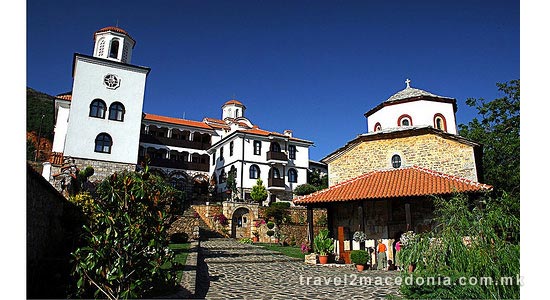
pixel 181 251
pixel 292 251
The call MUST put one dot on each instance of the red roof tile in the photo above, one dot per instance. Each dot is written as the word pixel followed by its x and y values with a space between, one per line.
pixel 404 182
pixel 65 97
pixel 151 117
pixel 233 101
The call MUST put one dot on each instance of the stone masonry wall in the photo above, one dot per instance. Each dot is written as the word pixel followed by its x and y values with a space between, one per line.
pixel 429 151
pixel 103 169
pixel 53 225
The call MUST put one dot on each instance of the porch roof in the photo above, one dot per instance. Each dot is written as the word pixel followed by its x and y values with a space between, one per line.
pixel 403 182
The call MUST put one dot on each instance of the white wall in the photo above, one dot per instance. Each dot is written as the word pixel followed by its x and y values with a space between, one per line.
pixel 422 113
pixel 301 162
pixel 60 130
pixel 88 85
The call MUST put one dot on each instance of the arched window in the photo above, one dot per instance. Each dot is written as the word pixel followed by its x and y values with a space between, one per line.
pixel 274 173
pixel 275 147
pixel 440 122
pixel 116 111
pixel 103 143
pixel 377 126
pixel 97 109
pixel 114 48
pixel 292 175
pixel 404 120
pixel 101 47
pixel 254 172
pixel 396 161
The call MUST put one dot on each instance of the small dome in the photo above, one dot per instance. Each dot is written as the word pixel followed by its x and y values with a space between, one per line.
pixel 114 29
pixel 410 92
pixel 234 102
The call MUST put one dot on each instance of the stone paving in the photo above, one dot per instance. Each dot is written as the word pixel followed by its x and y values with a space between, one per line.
pixel 231 270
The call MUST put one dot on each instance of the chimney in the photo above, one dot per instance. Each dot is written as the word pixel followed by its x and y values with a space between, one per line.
pixel 288 133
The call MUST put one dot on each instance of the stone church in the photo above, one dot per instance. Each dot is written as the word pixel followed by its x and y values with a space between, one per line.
pixel 382 181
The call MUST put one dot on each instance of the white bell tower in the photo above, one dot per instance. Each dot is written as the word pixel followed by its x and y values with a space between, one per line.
pixel 233 109
pixel 113 43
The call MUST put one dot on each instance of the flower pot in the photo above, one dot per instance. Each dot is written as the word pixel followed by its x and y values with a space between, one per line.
pixel 255 239
pixel 411 268
pixel 323 259
pixel 360 268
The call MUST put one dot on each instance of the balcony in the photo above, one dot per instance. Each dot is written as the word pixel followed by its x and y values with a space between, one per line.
pixel 276 156
pixel 147 138
pixel 175 164
pixel 276 183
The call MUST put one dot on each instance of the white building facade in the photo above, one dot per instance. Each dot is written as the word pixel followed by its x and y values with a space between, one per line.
pixel 101 123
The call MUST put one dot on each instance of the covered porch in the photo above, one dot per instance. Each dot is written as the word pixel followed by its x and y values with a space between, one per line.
pixel 383 205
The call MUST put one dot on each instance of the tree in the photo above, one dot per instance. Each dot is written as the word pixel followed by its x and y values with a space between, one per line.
pixel 125 244
pixel 231 182
pixel 314 178
pixel 498 131
pixel 259 192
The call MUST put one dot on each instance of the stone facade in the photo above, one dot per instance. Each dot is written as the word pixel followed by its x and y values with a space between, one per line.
pixel 430 151
pixel 53 225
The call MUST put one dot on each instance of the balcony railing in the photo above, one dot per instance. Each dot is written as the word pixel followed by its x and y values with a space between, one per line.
pixel 147 138
pixel 276 182
pixel 272 155
pixel 175 164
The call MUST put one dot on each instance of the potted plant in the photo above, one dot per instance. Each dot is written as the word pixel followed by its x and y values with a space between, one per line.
pixel 359 258
pixel 323 245
pixel 256 236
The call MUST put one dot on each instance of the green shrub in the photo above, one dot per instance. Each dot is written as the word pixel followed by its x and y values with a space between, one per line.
pixel 472 240
pixel 126 243
pixel 305 189
pixel 359 257
pixel 270 225
pixel 245 241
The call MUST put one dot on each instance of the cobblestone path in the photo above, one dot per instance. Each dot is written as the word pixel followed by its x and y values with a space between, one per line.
pixel 236 271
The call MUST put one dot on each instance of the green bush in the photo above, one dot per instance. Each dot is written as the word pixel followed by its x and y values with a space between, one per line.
pixel 305 189
pixel 278 212
pixel 125 244
pixel 359 257
pixel 245 241
pixel 473 240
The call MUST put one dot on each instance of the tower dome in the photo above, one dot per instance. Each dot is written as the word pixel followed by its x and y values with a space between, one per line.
pixel 113 43
pixel 233 109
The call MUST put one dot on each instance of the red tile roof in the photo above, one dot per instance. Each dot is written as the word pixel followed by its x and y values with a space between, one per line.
pixel 151 117
pixel 403 182
pixel 233 101
pixel 65 97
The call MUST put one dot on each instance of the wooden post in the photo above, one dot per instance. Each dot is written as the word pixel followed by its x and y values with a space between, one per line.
pixel 310 226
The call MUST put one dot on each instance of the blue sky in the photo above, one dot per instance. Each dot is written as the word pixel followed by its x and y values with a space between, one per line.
pixel 311 66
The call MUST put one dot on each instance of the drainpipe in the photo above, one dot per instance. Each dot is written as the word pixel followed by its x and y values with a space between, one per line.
pixel 242 168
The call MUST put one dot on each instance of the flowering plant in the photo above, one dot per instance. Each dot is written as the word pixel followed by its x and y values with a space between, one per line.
pixel 305 248
pixel 259 223
pixel 221 218
pixel 407 238
pixel 359 236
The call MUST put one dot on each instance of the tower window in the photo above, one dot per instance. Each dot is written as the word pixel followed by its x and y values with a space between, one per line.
pixel 404 120
pixel 396 161
pixel 113 53
pixel 97 109
pixel 116 112
pixel 292 175
pixel 440 122
pixel 231 148
pixel 377 126
pixel 101 47
pixel 103 143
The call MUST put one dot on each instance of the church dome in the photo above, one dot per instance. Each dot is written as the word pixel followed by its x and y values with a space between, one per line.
pixel 410 92
pixel 234 102
pixel 113 29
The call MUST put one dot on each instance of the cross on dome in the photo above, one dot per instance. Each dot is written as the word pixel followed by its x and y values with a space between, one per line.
pixel 408 82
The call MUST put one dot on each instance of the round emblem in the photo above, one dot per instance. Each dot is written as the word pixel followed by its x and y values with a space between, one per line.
pixel 111 81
